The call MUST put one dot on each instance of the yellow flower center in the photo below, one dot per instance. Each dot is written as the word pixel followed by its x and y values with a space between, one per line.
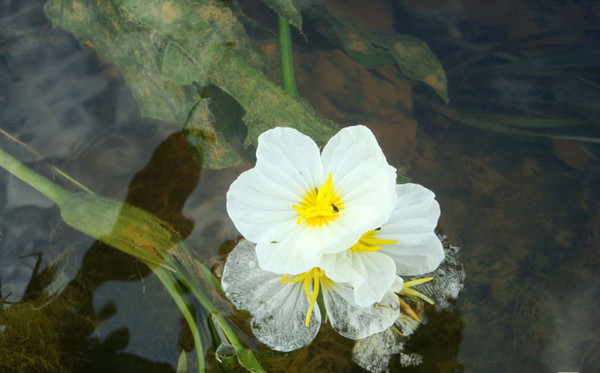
pixel 311 282
pixel 369 242
pixel 320 206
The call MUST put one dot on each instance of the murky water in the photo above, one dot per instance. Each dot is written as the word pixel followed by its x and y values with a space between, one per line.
pixel 523 210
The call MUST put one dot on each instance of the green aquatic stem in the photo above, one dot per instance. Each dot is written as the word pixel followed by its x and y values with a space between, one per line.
pixel 191 272
pixel 54 169
pixel 174 290
pixel 52 191
pixel 287 66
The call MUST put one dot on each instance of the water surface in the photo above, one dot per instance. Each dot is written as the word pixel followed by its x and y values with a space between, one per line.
pixel 523 210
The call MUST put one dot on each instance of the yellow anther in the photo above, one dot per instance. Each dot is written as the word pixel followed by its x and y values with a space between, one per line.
pixel 311 282
pixel 407 309
pixel 406 289
pixel 368 242
pixel 319 207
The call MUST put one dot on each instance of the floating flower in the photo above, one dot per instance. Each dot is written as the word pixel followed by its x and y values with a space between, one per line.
pixel 331 227
pixel 405 245
pixel 284 309
pixel 297 204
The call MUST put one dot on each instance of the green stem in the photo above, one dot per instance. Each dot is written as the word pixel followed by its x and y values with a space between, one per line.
pixel 196 287
pixel 195 275
pixel 287 66
pixel 171 285
pixel 43 185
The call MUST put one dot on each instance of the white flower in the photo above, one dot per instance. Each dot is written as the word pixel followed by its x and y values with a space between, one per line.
pixel 284 309
pixel 297 204
pixel 405 245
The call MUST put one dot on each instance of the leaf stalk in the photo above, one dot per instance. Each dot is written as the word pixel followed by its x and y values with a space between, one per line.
pixel 287 66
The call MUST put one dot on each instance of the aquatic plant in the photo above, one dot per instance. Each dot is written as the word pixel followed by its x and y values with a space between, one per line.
pixel 144 236
pixel 526 88
pixel 169 52
pixel 326 225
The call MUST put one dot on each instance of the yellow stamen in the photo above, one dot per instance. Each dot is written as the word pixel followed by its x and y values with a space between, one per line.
pixel 407 309
pixel 368 242
pixel 311 282
pixel 406 289
pixel 319 207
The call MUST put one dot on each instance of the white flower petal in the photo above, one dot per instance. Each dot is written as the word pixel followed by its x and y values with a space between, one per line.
pixel 371 274
pixel 398 284
pixel 256 204
pixel 278 310
pixel 288 165
pixel 287 154
pixel 348 148
pixel 412 222
pixel 296 248
pixel 414 217
pixel 361 174
pixel 416 260
pixel 353 321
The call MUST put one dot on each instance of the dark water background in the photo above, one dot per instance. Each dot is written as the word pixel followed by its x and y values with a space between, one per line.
pixel 524 211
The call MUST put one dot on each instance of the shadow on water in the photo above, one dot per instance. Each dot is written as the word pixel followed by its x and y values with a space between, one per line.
pixel 82 327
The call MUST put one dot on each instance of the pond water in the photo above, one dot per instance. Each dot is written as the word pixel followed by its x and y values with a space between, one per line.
pixel 524 209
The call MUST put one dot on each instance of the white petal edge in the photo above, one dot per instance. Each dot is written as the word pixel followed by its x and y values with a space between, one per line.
pixel 414 216
pixel 353 321
pixel 418 259
pixel 278 310
pixel 412 222
pixel 298 248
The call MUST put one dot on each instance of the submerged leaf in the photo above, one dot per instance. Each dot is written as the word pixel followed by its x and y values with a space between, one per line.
pixel 267 105
pixel 148 67
pixel 230 65
pixel 209 143
pixel 162 47
pixel 122 226
pixel 550 64
pixel 247 359
pixel 182 363
pixel 582 96
pixel 287 10
pixel 498 123
pixel 374 48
